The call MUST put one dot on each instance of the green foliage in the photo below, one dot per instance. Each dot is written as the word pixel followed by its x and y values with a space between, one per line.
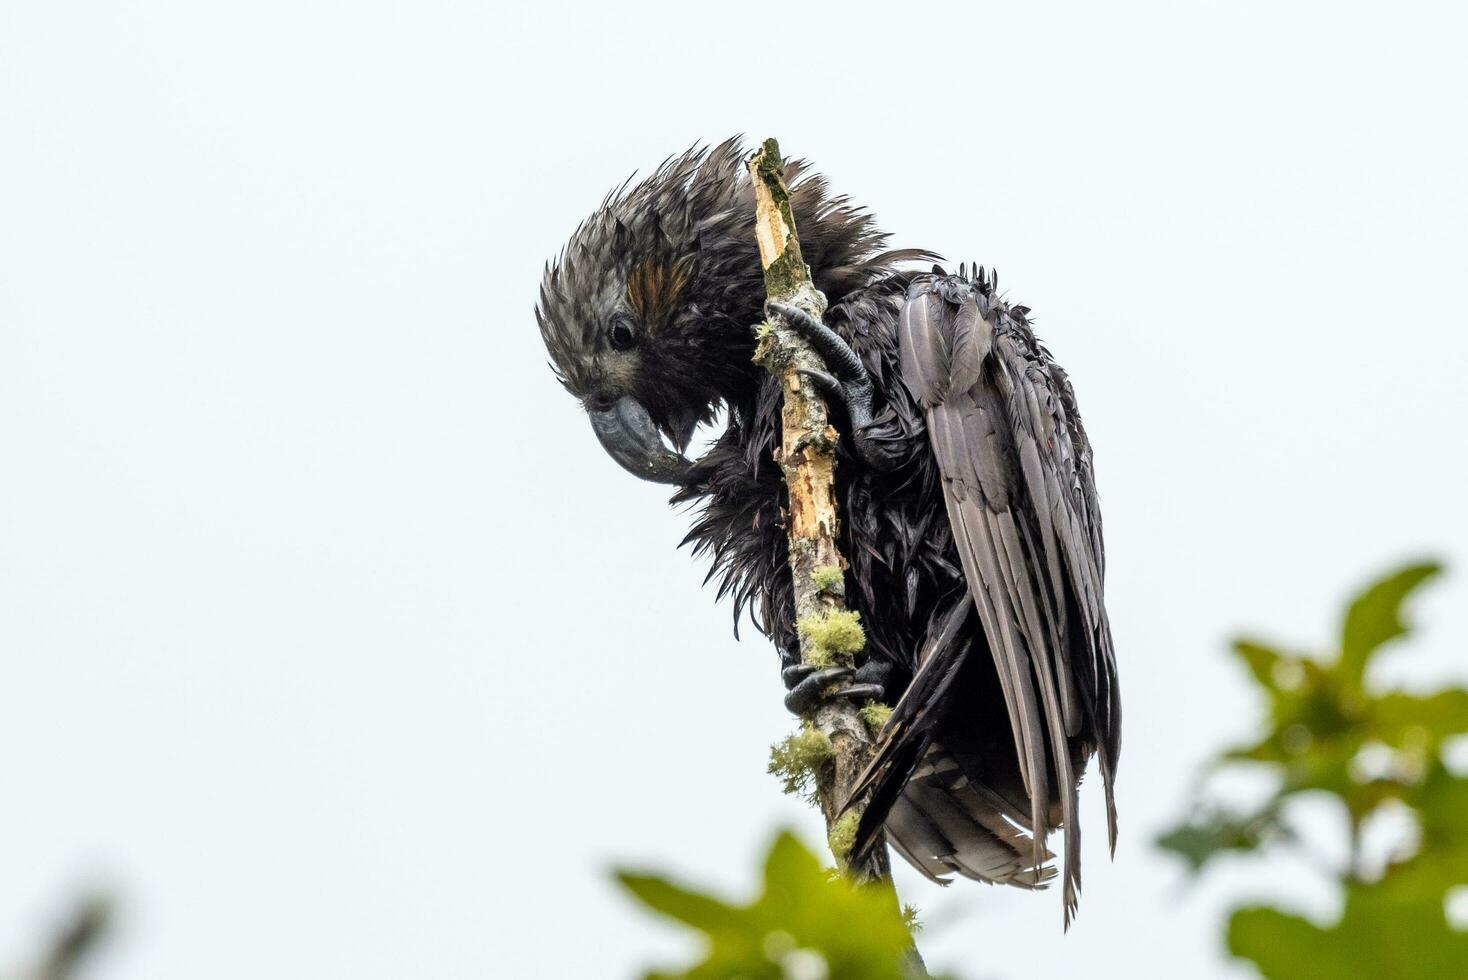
pixel 807 921
pixel 798 760
pixel 1374 617
pixel 1329 730
pixel 1215 830
pixel 832 634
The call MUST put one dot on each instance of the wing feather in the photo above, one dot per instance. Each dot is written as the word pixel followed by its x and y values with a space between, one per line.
pixel 1022 505
pixel 924 350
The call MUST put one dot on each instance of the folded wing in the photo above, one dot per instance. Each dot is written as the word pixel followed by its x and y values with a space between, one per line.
pixel 1021 500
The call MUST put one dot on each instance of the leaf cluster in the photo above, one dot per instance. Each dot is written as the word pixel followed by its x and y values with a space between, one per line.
pixel 1330 730
pixel 807 921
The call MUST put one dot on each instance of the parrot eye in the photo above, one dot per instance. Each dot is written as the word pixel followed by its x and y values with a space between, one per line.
pixel 623 337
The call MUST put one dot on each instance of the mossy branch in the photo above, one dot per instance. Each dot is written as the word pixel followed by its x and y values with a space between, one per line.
pixel 830 634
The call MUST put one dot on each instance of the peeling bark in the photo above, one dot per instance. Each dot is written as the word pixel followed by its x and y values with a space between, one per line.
pixel 807 458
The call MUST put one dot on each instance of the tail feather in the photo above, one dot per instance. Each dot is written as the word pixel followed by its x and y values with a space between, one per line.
pixel 935 794
pixel 944 824
pixel 945 789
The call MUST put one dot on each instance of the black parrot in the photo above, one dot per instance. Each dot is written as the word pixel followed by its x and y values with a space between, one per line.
pixel 969 510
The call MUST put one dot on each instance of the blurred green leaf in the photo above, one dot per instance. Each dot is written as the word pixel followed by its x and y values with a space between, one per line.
pixel 689 907
pixel 1216 832
pixel 1400 719
pixel 805 912
pixel 1440 862
pixel 1285 946
pixel 1327 731
pixel 1374 617
pixel 1261 660
pixel 1383 934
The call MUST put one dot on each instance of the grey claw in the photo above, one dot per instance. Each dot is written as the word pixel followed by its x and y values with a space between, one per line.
pixel 825 383
pixel 810 691
pixel 862 692
pixel 847 384
pixel 837 353
pixel 794 315
pixel 796 673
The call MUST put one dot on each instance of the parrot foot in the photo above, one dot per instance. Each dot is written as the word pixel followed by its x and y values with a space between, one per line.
pixel 848 384
pixel 809 685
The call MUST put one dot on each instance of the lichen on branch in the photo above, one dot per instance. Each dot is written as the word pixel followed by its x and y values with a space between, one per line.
pixel 829 633
pixel 798 759
pixel 832 635
pixel 827 578
pixel 875 714
pixel 843 836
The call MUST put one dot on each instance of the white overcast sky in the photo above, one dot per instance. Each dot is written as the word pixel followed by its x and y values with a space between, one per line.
pixel 334 645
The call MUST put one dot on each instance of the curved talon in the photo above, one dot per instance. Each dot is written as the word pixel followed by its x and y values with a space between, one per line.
pixel 847 384
pixel 837 353
pixel 861 692
pixel 810 685
pixel 812 689
pixel 796 673
pixel 825 383
pixel 855 395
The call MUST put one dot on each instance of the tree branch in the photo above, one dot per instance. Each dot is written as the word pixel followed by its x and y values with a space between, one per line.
pixel 808 459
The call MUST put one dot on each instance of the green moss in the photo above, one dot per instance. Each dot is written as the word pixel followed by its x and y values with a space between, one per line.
pixel 827 577
pixel 785 275
pixel 820 659
pixel 832 634
pixel 762 331
pixel 798 760
pixel 843 836
pixel 875 715
pixel 771 165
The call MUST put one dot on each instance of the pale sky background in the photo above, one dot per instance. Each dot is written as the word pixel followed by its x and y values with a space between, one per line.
pixel 336 647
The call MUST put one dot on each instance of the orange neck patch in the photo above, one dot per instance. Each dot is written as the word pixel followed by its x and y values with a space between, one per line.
pixel 654 288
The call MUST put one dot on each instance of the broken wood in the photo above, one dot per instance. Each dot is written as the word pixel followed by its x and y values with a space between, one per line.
pixel 807 457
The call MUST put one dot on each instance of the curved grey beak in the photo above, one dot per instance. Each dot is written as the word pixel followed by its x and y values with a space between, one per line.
pixel 629 436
